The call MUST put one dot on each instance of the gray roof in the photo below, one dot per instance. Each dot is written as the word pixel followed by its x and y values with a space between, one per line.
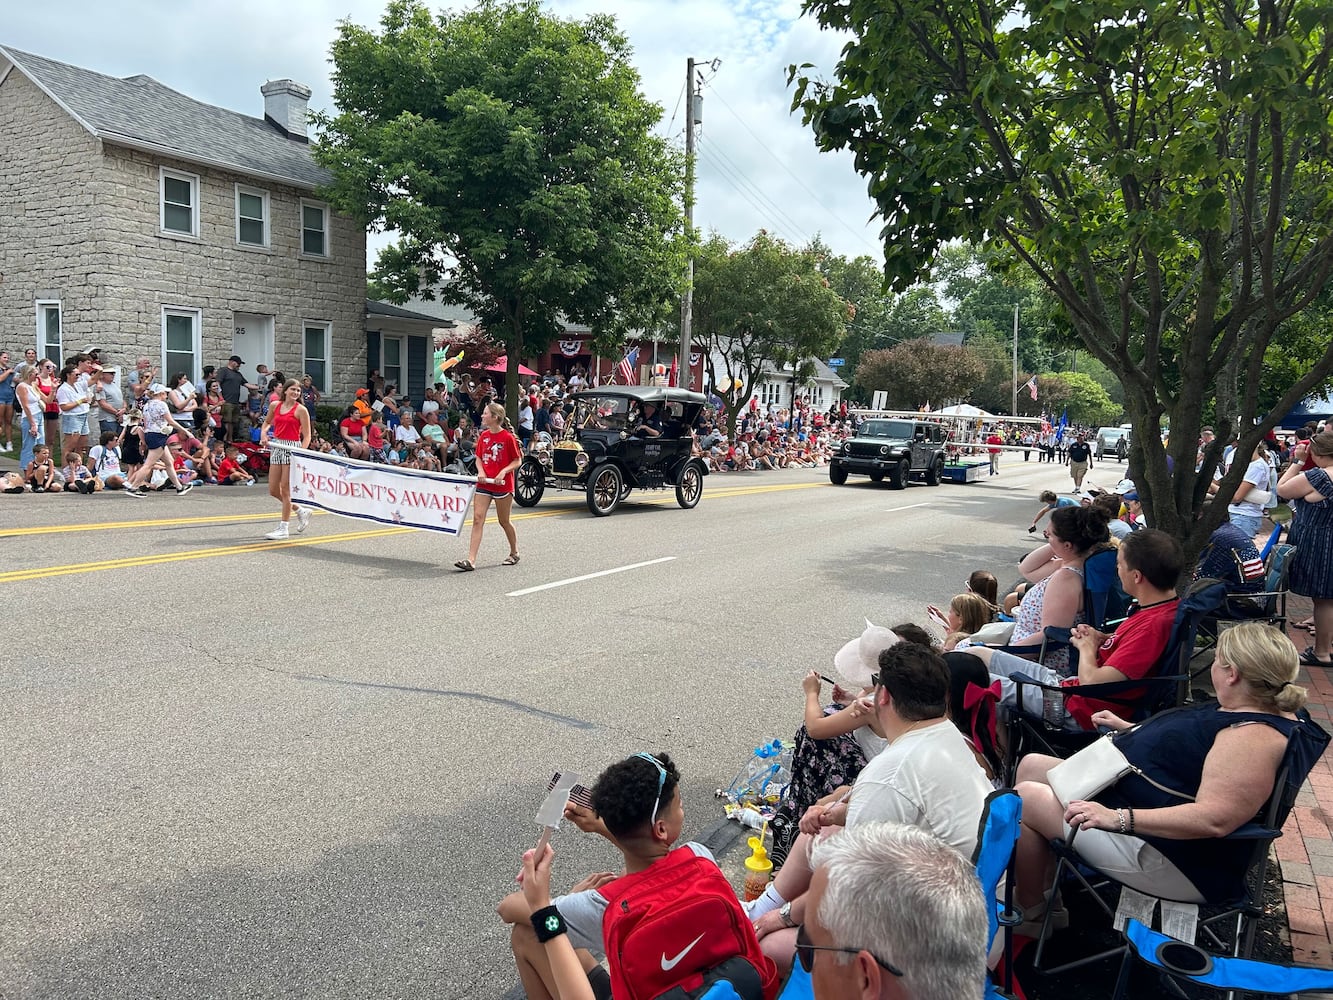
pixel 374 307
pixel 138 111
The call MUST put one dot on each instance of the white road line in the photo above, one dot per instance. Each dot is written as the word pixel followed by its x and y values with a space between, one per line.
pixel 890 510
pixel 588 576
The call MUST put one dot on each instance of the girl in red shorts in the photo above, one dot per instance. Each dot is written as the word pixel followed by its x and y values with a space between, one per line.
pixel 498 455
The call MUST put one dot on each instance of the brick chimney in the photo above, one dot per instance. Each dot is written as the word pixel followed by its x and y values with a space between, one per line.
pixel 285 104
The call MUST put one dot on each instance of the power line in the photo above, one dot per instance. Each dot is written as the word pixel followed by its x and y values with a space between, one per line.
pixel 779 161
pixel 766 207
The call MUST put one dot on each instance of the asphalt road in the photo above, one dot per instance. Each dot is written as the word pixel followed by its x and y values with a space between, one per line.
pixel 233 768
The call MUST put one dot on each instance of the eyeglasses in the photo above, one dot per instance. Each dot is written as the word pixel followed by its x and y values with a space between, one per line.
pixel 661 781
pixel 805 953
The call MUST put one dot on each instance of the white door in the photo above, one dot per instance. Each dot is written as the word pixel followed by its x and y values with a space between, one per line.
pixel 252 341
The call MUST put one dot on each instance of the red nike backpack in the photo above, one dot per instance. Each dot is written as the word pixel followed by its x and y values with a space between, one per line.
pixel 673 929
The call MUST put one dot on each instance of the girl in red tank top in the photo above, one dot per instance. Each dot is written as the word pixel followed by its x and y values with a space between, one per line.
pixel 498 455
pixel 286 426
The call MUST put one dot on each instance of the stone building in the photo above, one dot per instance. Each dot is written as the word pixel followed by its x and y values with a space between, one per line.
pixel 138 220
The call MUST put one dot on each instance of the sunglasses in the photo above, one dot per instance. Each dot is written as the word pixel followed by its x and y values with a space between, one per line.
pixel 805 953
pixel 661 781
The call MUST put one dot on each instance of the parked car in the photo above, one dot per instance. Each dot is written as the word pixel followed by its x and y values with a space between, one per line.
pixel 1113 441
pixel 606 453
pixel 896 450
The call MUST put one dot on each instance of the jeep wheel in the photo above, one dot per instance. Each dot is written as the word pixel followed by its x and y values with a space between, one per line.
pixel 898 477
pixel 604 490
pixel 935 473
pixel 691 486
pixel 877 477
pixel 837 475
pixel 529 483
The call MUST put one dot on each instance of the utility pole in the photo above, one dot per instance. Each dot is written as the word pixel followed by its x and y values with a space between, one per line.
pixel 1014 411
pixel 693 116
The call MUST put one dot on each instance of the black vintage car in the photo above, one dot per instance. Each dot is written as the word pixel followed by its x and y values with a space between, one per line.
pixel 892 449
pixel 606 449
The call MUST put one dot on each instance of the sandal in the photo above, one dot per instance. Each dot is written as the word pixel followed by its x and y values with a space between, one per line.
pixel 510 560
pixel 1307 624
pixel 1309 659
pixel 465 565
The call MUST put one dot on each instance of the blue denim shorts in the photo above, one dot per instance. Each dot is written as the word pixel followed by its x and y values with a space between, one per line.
pixel 73 423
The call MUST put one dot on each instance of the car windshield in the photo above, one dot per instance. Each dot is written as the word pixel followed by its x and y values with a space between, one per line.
pixel 606 412
pixel 900 430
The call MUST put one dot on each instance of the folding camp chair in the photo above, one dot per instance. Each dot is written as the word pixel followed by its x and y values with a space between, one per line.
pixel 1165 686
pixel 1181 960
pixel 1233 928
pixel 1267 605
pixel 997 836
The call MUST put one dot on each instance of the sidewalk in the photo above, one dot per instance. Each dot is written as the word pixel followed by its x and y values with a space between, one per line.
pixel 1305 849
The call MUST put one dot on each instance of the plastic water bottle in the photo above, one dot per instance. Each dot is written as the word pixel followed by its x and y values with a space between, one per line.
pixel 747 817
pixel 1052 708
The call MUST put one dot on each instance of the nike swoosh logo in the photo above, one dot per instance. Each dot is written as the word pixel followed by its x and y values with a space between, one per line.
pixel 670 963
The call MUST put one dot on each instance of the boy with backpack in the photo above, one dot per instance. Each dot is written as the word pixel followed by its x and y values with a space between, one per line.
pixel 672 922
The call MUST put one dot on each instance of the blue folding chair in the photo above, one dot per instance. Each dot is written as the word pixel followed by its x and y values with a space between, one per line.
pixel 997 836
pixel 1181 960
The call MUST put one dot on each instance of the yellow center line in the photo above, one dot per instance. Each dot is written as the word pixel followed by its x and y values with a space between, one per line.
pixel 131 562
pixel 59 529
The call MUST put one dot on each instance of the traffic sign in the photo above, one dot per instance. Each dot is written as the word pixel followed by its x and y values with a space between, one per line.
pixel 836 362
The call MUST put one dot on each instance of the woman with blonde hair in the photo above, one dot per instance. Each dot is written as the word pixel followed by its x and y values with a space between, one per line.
pixel 498 455
pixel 1199 773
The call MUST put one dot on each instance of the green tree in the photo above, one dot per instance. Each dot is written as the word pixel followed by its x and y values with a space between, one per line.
pixel 763 304
pixel 860 282
pixel 514 152
pixel 919 371
pixel 1164 170
pixel 1088 402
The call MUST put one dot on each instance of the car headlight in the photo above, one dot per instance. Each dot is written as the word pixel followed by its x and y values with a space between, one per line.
pixel 846 447
pixel 581 460
pixel 883 449
pixel 544 458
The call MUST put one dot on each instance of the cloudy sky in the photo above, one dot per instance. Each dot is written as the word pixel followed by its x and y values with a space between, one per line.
pixel 758 166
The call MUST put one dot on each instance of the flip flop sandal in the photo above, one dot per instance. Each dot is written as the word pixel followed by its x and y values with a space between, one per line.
pixel 1309 659
pixel 465 565
pixel 510 560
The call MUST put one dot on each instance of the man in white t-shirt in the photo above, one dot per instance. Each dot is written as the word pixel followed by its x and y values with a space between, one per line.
pixel 927 777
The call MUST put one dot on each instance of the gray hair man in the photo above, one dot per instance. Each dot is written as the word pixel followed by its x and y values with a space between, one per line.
pixel 893 913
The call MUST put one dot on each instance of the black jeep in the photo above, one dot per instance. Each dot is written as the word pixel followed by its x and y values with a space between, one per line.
pixel 895 450
pixel 608 448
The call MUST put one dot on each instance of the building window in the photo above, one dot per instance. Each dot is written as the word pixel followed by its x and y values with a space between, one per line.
pixel 50 343
pixel 392 352
pixel 180 203
pixel 251 216
pixel 314 229
pixel 180 341
pixel 316 361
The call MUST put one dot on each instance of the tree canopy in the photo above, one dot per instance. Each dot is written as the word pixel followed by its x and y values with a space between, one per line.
pixel 1163 170
pixel 513 152
pixel 759 305
pixel 920 371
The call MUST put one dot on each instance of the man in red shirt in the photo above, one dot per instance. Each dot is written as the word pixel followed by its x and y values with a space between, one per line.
pixel 1149 563
pixel 995 441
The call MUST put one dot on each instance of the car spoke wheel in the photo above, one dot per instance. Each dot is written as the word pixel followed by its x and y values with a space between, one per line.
pixel 529 483
pixel 604 487
pixel 690 488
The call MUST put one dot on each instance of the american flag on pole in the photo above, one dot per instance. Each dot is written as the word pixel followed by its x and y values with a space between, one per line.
pixel 628 368
pixel 1031 387
pixel 675 372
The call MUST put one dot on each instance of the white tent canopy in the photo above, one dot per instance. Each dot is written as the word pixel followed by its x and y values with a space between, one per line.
pixel 964 410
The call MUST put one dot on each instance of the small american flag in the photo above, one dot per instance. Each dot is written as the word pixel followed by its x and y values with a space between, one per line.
pixel 1252 569
pixel 1031 386
pixel 627 369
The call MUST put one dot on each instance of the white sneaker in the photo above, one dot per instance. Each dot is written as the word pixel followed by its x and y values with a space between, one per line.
pixel 302 519
pixel 278 534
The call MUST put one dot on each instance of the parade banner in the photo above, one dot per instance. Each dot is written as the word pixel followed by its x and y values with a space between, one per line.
pixel 384 493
